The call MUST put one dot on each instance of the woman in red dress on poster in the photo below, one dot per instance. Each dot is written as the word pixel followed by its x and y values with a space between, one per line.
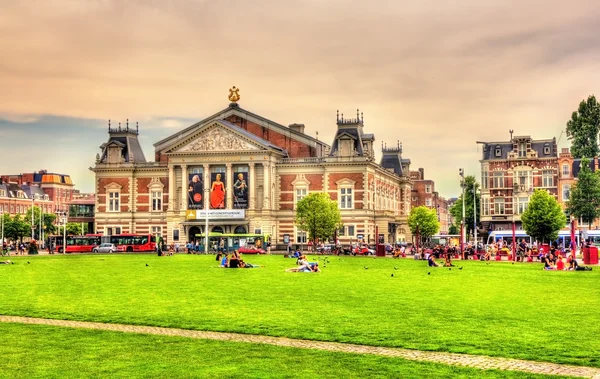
pixel 217 194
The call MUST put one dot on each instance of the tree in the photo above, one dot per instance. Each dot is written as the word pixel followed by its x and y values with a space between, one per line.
pixel 584 201
pixel 47 219
pixel 543 217
pixel 75 228
pixel 471 190
pixel 423 222
pixel 453 229
pixel 318 215
pixel 17 228
pixel 583 129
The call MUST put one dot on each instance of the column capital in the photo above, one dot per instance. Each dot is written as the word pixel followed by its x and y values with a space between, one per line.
pixel 183 166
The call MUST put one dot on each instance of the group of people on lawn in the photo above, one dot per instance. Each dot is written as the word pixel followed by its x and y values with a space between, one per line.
pixel 233 260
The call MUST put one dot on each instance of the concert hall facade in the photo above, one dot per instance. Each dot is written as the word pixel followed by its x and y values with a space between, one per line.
pixel 245 173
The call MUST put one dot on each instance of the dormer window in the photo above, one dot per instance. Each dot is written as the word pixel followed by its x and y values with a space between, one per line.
pixel 2 193
pixel 547 149
pixel 46 197
pixel 498 151
pixel 522 150
pixel 36 196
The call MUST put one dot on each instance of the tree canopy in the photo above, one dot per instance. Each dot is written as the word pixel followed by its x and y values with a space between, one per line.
pixel 423 221
pixel 583 129
pixel 471 191
pixel 584 201
pixel 318 215
pixel 543 217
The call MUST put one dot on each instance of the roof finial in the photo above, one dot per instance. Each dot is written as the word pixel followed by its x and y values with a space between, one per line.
pixel 386 145
pixel 337 116
pixel 511 133
pixel 137 128
pixel 119 126
pixel 109 125
pixel 342 118
pixel 357 118
pixel 317 135
pixel 381 145
pixel 362 118
pixel 398 144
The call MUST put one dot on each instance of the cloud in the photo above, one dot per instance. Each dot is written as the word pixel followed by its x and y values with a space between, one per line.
pixel 435 75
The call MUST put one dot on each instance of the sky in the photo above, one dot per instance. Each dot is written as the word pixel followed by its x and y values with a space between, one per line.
pixel 435 75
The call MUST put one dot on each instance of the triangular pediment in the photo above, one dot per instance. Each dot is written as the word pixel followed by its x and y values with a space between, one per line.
pixel 217 137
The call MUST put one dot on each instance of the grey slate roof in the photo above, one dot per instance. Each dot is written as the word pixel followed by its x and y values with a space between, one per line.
pixel 132 150
pixel 353 133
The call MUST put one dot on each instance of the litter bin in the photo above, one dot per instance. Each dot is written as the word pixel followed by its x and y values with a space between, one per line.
pixel 590 255
pixel 380 250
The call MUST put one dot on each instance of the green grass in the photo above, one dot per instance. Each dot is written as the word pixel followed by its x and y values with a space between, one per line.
pixel 39 351
pixel 516 311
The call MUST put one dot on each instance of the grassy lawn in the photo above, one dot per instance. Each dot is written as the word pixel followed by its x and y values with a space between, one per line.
pixel 36 351
pixel 517 311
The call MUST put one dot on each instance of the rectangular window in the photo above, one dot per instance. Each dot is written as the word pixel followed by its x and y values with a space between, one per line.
pixel 499 206
pixel 341 231
pixel 111 230
pixel 156 230
pixel 498 179
pixel 175 234
pixel 301 193
pixel 522 206
pixel 522 150
pixel 547 178
pixel 485 206
pixel 566 192
pixel 428 202
pixel 300 236
pixel 565 170
pixel 156 200
pixel 113 202
pixel 350 230
pixel 484 179
pixel 346 198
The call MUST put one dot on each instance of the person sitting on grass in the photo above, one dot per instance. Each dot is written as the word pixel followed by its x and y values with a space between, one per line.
pixel 448 261
pixel 560 264
pixel 574 266
pixel 431 261
pixel 549 262
pixel 6 262
pixel 224 261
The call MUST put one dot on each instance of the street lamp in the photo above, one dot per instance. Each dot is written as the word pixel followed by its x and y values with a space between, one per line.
pixel 206 203
pixel 475 215
pixel 63 220
pixel 461 172
pixel 514 210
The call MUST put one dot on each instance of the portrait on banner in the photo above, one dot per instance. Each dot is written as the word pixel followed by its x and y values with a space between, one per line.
pixel 217 191
pixel 195 191
pixel 240 190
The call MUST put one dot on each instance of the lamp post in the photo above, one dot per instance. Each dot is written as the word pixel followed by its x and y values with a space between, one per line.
pixel 514 242
pixel 418 237
pixel 461 172
pixel 475 215
pixel 206 203
pixel 32 216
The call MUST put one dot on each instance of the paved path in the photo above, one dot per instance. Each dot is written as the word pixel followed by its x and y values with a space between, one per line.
pixel 475 361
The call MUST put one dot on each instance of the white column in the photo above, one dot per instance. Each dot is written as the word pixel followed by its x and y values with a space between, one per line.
pixel 252 187
pixel 171 188
pixel 184 188
pixel 228 191
pixel 266 185
pixel 207 185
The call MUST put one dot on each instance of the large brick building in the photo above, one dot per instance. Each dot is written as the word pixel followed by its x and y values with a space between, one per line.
pixel 510 172
pixel 249 172
pixel 424 194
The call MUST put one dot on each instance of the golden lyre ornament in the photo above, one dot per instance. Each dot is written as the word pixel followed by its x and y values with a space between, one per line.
pixel 234 94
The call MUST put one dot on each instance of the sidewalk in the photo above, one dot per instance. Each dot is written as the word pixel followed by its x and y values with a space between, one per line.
pixel 474 361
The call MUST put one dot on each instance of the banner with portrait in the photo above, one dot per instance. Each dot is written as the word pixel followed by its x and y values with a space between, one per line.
pixel 195 191
pixel 217 190
pixel 240 190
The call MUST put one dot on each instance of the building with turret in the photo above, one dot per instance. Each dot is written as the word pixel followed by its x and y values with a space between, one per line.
pixel 245 173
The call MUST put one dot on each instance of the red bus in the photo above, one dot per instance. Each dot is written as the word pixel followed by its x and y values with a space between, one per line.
pixel 133 242
pixel 75 244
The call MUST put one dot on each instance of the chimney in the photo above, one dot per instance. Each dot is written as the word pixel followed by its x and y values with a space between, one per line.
pixel 422 173
pixel 297 127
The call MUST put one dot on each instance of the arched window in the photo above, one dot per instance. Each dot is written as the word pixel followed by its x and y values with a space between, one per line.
pixel 217 229
pixel 240 230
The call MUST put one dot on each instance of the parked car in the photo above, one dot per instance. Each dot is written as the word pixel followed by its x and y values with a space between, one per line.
pixel 364 250
pixel 251 250
pixel 105 248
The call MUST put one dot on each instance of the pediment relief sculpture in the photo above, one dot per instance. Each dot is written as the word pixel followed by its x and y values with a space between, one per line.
pixel 218 139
